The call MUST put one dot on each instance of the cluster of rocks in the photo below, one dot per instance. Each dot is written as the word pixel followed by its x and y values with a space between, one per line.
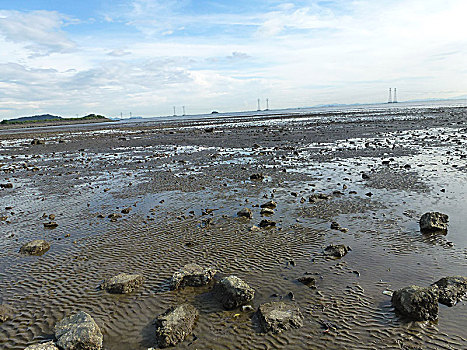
pixel 266 210
pixel 178 322
pixel 421 303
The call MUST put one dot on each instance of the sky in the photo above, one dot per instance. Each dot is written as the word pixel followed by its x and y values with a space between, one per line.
pixel 143 57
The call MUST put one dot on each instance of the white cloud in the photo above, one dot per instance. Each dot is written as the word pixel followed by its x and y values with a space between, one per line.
pixel 119 53
pixel 39 30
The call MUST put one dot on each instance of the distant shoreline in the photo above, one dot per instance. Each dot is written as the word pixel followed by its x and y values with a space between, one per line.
pixel 55 122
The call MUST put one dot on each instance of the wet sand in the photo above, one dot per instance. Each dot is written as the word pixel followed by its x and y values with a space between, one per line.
pixel 169 173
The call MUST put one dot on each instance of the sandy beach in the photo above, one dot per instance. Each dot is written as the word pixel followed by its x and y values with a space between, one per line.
pixel 182 184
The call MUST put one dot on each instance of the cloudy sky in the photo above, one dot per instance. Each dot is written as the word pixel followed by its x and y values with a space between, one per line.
pixel 145 56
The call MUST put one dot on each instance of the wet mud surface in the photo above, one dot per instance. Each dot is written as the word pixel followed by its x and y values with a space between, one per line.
pixel 380 173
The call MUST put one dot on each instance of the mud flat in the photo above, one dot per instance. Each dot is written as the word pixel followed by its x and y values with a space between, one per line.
pixel 150 198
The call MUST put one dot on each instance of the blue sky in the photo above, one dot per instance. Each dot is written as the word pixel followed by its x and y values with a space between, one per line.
pixel 145 56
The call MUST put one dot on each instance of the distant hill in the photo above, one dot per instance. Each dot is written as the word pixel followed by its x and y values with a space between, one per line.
pixel 41 117
pixel 49 118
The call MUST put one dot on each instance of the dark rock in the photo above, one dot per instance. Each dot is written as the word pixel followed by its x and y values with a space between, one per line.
pixel 5 313
pixel 337 251
pixel 175 324
pixel 308 281
pixel 278 316
pixel 114 216
pixel 192 275
pixel 434 221
pixel 44 346
pixel 50 224
pixel 233 292
pixel 122 283
pixel 36 247
pixel 259 177
pixel 451 289
pixel 6 185
pixel 269 205
pixel 267 223
pixel 78 332
pixel 37 142
pixel 365 176
pixel 317 197
pixel 126 211
pixel 335 226
pixel 417 303
pixel 245 213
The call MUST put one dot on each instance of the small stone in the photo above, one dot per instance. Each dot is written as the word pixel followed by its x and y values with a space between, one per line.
pixel 233 292
pixel 36 247
pixel 335 226
pixel 44 346
pixel 50 224
pixel 78 332
pixel 114 216
pixel 317 197
pixel 245 213
pixel 417 303
pixel 267 223
pixel 254 228
pixel 278 316
pixel 192 275
pixel 175 324
pixel 269 205
pixel 308 281
pixel 6 185
pixel 52 217
pixel 258 177
pixel 246 308
pixel 267 211
pixel 5 313
pixel 126 211
pixel 451 289
pixel 122 283
pixel 434 221
pixel 337 251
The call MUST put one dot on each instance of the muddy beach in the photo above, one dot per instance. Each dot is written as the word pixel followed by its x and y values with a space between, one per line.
pixel 148 198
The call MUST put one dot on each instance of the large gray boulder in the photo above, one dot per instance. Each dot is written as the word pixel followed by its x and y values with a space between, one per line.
pixel 122 283
pixel 78 332
pixel 451 289
pixel 233 292
pixel 434 221
pixel 417 303
pixel 44 346
pixel 278 316
pixel 192 275
pixel 36 247
pixel 175 324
